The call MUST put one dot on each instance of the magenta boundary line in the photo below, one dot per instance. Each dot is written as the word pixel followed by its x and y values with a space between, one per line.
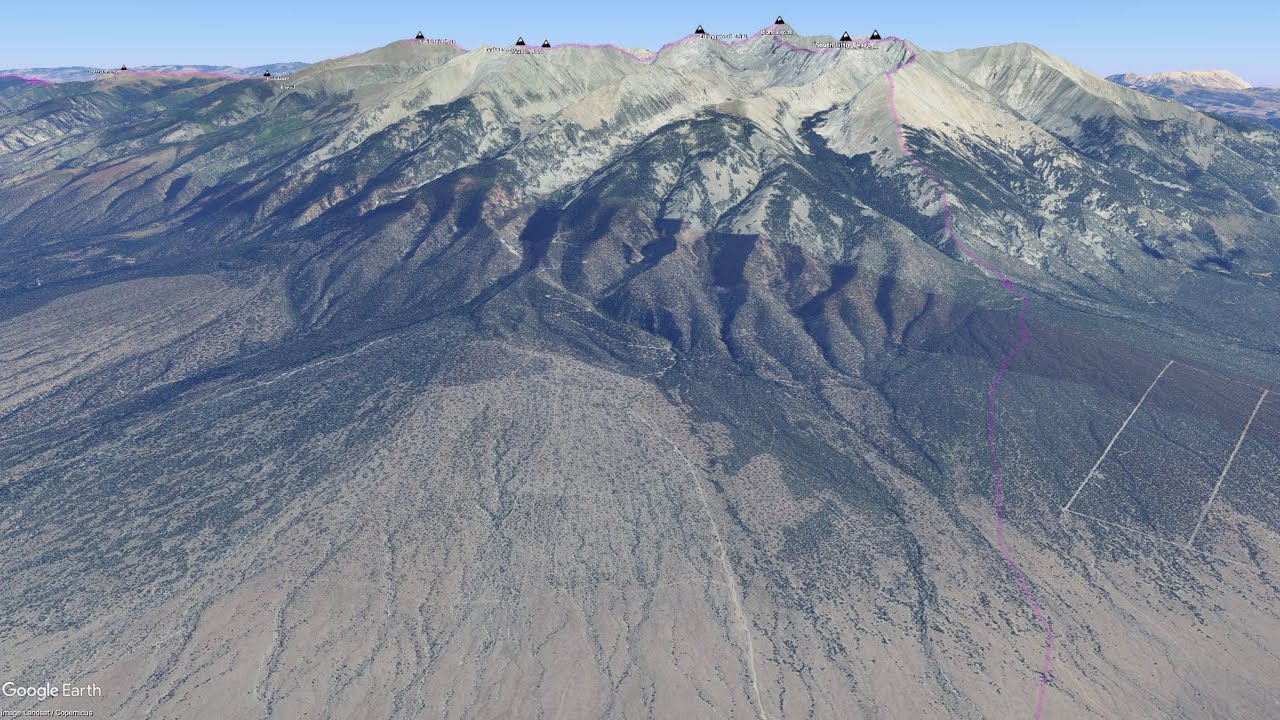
pixel 652 56
pixel 38 82
pixel 1005 361
pixel 963 247
pixel 183 74
pixel 649 58
pixel 969 254
pixel 138 73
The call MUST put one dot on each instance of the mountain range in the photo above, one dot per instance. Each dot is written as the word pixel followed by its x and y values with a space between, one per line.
pixel 80 73
pixel 1217 92
pixel 517 383
pixel 1207 79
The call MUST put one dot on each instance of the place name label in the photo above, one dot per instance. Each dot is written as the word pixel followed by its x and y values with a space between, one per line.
pixel 851 45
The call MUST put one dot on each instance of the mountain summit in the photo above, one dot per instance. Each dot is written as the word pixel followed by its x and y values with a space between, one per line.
pixel 1212 79
pixel 1218 92
pixel 773 378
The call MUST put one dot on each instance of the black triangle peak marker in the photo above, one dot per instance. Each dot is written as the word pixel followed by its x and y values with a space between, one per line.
pixel 123 68
pixel 519 41
pixel 420 36
pixel 699 31
pixel 266 73
pixel 875 34
pixel 546 43
pixel 779 21
pixel 845 37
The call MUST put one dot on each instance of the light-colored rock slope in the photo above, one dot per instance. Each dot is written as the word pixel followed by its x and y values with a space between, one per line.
pixel 1211 79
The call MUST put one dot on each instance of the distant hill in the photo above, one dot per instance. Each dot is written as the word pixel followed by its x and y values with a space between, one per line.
pixel 80 73
pixel 1214 91
pixel 1212 79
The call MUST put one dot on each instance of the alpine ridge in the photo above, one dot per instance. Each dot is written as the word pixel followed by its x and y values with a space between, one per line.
pixel 582 382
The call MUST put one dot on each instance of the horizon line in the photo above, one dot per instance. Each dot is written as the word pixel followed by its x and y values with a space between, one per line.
pixel 638 53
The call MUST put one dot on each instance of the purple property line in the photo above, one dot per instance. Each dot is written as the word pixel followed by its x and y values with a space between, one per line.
pixel 964 249
pixel 34 81
pixel 181 73
pixel 968 253
pixel 139 73
pixel 649 58
pixel 1005 361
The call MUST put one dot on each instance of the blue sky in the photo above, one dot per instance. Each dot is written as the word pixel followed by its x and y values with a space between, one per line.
pixel 1105 37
